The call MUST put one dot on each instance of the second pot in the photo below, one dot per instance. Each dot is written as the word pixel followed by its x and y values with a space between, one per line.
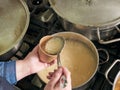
pixel 91 18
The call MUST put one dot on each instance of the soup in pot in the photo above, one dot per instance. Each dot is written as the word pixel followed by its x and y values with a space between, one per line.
pixel 78 58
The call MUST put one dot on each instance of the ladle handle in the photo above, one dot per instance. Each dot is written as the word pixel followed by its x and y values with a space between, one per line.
pixel 63 80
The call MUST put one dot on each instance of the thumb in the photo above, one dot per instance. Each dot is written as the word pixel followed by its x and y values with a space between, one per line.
pixel 55 78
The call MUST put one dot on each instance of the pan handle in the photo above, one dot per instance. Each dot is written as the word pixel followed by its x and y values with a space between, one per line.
pixel 109 69
pixel 107 55
pixel 109 41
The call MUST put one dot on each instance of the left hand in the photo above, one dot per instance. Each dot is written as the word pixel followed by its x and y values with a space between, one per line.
pixel 34 60
pixel 30 64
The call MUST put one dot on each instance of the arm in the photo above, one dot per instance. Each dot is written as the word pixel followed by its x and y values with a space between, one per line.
pixel 15 70
pixel 30 64
pixel 8 71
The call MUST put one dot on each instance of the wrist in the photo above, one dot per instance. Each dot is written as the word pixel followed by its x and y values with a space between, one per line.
pixel 22 69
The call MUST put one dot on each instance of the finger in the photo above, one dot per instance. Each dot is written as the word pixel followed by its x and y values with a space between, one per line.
pixel 55 70
pixel 49 77
pixel 51 74
pixel 55 77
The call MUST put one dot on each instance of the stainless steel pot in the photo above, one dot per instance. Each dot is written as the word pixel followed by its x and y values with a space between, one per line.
pixel 77 38
pixel 117 76
pixel 96 19
pixel 14 21
pixel 6 56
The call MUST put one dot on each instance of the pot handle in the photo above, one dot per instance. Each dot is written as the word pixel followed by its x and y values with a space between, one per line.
pixel 107 72
pixel 109 41
pixel 107 55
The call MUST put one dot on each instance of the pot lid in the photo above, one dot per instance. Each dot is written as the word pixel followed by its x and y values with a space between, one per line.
pixel 88 12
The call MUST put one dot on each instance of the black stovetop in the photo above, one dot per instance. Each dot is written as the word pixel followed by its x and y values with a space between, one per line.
pixel 37 29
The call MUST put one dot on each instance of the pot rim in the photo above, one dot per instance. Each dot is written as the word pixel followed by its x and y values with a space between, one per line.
pixel 115 81
pixel 110 23
pixel 23 3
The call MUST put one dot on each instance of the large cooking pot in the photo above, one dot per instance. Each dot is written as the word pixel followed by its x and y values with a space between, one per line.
pixel 96 19
pixel 80 56
pixel 14 21
pixel 116 83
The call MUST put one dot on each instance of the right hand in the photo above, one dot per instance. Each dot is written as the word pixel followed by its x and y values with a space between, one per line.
pixel 54 83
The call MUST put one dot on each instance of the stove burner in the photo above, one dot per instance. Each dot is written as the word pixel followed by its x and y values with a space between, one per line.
pixel 37 6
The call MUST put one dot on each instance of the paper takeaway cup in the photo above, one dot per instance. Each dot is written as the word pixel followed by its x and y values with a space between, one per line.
pixel 44 56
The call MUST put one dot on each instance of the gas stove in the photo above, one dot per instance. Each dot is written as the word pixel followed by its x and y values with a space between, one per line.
pixel 37 29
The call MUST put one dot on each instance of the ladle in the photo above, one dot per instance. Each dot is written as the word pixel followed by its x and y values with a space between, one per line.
pixel 63 81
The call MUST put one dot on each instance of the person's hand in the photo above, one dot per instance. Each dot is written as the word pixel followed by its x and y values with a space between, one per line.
pixel 34 61
pixel 30 64
pixel 54 83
